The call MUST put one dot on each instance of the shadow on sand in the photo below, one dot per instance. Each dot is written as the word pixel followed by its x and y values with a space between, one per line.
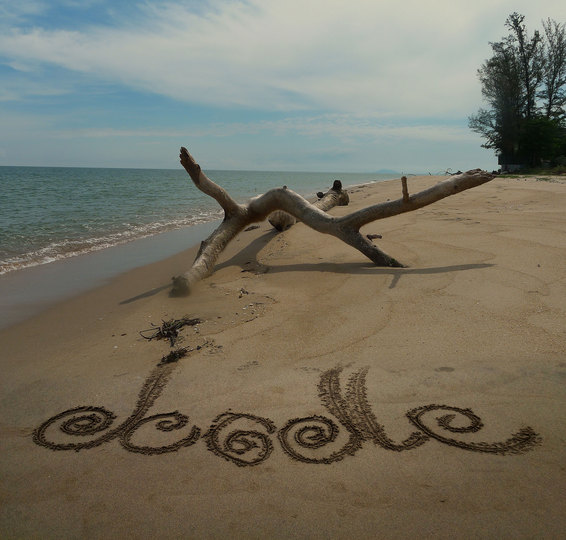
pixel 247 260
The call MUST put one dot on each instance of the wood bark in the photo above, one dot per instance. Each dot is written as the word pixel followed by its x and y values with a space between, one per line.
pixel 335 196
pixel 346 228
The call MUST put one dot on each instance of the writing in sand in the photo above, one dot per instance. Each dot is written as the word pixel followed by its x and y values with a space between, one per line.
pixel 246 439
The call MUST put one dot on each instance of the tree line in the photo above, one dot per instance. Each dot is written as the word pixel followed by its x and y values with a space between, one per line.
pixel 524 85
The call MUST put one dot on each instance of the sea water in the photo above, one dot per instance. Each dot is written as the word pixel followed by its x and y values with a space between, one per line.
pixel 66 230
pixel 52 213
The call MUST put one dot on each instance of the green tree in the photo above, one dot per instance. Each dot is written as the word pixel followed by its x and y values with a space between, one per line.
pixel 524 85
pixel 554 73
pixel 541 139
pixel 529 53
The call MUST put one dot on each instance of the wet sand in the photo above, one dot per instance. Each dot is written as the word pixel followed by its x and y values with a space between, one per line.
pixel 321 397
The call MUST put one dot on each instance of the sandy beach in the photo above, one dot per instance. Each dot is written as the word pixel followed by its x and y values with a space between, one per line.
pixel 320 397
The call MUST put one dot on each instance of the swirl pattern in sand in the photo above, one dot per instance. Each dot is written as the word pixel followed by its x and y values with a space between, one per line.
pixel 247 439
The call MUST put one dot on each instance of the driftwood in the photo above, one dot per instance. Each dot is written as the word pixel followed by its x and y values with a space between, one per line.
pixel 346 228
pixel 335 196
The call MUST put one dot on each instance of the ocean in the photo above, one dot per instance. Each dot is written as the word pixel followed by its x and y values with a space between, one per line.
pixel 52 213
pixel 66 230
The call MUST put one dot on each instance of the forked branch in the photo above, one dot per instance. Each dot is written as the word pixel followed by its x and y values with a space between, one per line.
pixel 346 228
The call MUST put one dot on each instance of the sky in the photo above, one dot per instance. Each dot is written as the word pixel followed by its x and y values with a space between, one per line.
pixel 293 85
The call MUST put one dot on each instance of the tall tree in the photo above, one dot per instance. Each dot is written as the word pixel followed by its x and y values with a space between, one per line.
pixel 554 72
pixel 524 84
pixel 502 88
pixel 529 52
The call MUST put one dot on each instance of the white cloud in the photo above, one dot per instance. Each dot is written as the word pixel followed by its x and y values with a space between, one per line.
pixel 337 127
pixel 345 126
pixel 371 81
pixel 11 11
pixel 406 59
pixel 324 143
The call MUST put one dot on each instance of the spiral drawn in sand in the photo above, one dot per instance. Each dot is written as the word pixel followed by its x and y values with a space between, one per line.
pixel 241 446
pixel 164 422
pixel 313 433
pixel 80 421
pixel 88 421
pixel 519 442
pixel 246 439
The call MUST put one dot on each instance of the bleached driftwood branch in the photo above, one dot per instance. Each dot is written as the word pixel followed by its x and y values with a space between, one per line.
pixel 335 196
pixel 346 228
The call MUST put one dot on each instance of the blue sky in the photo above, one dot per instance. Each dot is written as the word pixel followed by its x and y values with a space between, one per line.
pixel 310 85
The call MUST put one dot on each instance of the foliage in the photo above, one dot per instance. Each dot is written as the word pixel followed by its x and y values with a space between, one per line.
pixel 524 85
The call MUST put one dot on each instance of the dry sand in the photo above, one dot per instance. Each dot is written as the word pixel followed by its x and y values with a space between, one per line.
pixel 303 341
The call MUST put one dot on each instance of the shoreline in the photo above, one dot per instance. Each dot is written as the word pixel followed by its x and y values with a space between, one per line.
pixel 457 364
pixel 114 207
pixel 27 292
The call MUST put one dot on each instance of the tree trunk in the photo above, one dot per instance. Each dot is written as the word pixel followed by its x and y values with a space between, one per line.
pixel 346 228
pixel 335 196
